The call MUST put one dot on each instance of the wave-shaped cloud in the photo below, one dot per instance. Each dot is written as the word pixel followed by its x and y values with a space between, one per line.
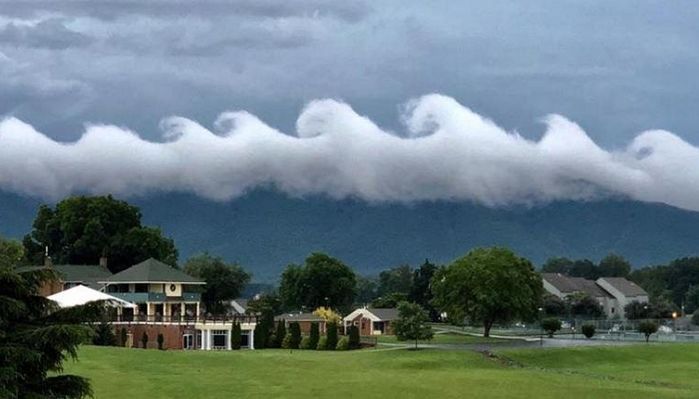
pixel 449 153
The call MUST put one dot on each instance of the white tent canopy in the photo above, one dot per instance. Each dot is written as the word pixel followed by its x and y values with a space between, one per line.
pixel 80 295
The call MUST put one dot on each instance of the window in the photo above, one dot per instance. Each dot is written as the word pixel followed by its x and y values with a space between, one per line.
pixel 141 287
pixel 218 340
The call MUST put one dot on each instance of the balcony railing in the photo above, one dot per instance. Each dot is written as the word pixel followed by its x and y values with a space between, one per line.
pixel 183 319
pixel 143 297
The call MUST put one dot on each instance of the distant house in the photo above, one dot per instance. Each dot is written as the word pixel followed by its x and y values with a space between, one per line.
pixel 305 320
pixel 607 291
pixel 623 290
pixel 372 321
pixel 239 306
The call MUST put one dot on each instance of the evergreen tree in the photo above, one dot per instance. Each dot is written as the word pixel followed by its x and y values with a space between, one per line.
pixel 295 333
pixel 144 340
pixel 236 336
pixel 263 330
pixel 332 336
pixel 37 338
pixel 279 334
pixel 314 336
pixel 104 335
pixel 353 333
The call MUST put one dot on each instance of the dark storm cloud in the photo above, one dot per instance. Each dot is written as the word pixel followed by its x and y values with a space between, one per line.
pixel 49 34
pixel 620 69
pixel 351 11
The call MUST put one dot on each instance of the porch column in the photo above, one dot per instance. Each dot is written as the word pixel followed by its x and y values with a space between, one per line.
pixel 203 339
pixel 228 339
pixel 209 337
pixel 251 339
pixel 371 327
pixel 197 315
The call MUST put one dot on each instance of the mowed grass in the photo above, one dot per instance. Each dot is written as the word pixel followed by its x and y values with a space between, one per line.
pixel 555 373
pixel 671 365
pixel 441 338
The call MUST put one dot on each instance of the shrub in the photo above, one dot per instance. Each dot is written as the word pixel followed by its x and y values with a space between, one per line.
pixel 286 342
pixel 342 344
pixel 144 340
pixel 161 339
pixel 648 328
pixel 331 336
pixel 123 336
pixel 236 336
pixel 588 330
pixel 315 335
pixel 695 317
pixel 353 333
pixel 551 325
pixel 322 343
pixel 306 343
pixel 104 335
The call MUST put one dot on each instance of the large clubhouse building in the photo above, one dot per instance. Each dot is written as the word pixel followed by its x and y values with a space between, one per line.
pixel 167 301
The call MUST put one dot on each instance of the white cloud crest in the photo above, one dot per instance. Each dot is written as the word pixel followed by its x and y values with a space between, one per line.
pixel 450 153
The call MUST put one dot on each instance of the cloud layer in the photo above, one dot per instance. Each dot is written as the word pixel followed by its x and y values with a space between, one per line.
pixel 447 153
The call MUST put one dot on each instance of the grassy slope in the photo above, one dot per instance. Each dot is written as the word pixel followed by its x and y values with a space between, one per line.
pixel 660 364
pixel 129 373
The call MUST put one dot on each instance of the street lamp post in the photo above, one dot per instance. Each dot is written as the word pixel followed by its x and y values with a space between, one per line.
pixel 541 327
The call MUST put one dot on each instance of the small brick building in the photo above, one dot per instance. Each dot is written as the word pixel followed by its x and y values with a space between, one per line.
pixel 372 321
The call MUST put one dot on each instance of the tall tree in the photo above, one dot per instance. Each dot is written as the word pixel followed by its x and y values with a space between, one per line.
pixel 411 324
pixel 265 303
pixel 488 285
pixel 81 229
pixel 224 281
pixel 396 280
pixel 557 265
pixel 367 290
pixel 11 252
pixel 584 268
pixel 614 265
pixel 37 338
pixel 322 281
pixel 291 287
pixel 421 291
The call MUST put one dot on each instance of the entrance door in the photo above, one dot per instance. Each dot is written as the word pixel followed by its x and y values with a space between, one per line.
pixel 187 341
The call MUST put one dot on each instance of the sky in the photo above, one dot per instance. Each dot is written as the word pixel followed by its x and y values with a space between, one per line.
pixel 491 101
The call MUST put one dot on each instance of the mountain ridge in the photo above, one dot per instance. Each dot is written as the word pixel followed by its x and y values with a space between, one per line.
pixel 266 230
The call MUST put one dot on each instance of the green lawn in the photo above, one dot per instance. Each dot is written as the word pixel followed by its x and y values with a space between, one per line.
pixel 444 338
pixel 662 371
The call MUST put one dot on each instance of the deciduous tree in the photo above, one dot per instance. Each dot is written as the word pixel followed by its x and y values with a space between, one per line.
pixel 411 324
pixel 81 229
pixel 322 281
pixel 224 281
pixel 488 285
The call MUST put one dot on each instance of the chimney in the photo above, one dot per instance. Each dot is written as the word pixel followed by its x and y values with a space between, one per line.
pixel 47 259
pixel 103 261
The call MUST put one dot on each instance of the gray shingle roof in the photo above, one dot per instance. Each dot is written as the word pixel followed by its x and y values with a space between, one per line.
pixel 298 317
pixel 626 287
pixel 561 282
pixel 589 287
pixel 84 274
pixel 152 270
pixel 384 313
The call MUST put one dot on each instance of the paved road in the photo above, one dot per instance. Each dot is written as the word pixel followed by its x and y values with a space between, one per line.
pixel 518 343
